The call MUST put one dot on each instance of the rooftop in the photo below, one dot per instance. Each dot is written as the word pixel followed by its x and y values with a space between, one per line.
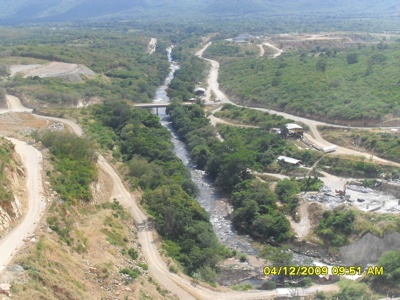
pixel 289 160
pixel 291 126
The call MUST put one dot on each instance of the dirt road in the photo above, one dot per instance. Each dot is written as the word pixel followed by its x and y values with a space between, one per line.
pixel 71 124
pixel 14 105
pixel 32 160
pixel 262 50
pixel 316 138
pixel 213 85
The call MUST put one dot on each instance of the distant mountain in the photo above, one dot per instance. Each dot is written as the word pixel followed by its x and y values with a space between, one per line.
pixel 22 11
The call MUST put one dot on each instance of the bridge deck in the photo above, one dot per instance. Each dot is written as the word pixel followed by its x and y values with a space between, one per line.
pixel 161 104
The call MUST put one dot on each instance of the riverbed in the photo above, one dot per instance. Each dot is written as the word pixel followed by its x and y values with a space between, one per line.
pixel 209 197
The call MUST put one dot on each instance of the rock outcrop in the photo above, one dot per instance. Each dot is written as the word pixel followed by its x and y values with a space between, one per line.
pixel 9 213
pixel 369 249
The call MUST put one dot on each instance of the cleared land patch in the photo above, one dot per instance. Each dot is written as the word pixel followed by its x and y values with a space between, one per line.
pixel 71 72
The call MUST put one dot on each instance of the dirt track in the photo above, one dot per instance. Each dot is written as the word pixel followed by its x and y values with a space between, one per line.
pixel 32 159
pixel 316 138
pixel 262 50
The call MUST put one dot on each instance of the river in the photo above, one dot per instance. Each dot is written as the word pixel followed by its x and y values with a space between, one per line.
pixel 209 197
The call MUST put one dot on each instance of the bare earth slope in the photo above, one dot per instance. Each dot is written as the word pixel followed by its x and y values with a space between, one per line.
pixel 71 72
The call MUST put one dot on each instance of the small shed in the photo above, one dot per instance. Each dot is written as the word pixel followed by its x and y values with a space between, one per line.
pixel 199 91
pixel 288 160
pixel 294 128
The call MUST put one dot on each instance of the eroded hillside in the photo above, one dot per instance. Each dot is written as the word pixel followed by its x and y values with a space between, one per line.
pixel 11 189
pixel 87 251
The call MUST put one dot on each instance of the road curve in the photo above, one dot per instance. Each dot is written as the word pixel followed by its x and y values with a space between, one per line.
pixel 32 160
pixel 262 50
pixel 71 124
pixel 316 138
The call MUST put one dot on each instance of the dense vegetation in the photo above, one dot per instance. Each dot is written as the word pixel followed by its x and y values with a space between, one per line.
pixel 324 83
pixel 183 85
pixel 124 69
pixel 229 163
pixel 256 212
pixel 336 226
pixel 145 146
pixel 351 289
pixel 6 152
pixel 351 167
pixel 74 165
pixel 342 225
pixel 389 282
pixel 192 71
pixel 264 147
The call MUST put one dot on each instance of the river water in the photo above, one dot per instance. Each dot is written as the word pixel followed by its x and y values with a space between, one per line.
pixel 209 197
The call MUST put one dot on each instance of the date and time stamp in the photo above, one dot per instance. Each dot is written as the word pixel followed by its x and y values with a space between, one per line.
pixel 323 271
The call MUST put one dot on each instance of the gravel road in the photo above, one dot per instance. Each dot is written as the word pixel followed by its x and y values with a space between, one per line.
pixel 32 160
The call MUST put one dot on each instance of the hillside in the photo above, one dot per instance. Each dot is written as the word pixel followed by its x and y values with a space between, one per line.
pixel 24 11
pixel 11 177
pixel 317 79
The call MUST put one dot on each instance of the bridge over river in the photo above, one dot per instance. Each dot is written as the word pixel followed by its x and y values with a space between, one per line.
pixel 157 105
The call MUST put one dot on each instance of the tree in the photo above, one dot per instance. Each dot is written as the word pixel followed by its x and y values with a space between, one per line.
pixel 274 225
pixel 352 290
pixel 390 261
pixel 352 58
pixel 235 169
pixel 321 65
pixel 277 256
pixel 286 188
pixel 200 155
pixel 284 131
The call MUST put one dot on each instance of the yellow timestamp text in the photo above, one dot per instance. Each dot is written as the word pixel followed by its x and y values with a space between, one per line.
pixel 296 270
pixel 321 270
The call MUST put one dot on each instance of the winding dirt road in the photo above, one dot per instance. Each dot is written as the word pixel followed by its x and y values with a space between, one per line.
pixel 32 160
pixel 262 50
pixel 315 138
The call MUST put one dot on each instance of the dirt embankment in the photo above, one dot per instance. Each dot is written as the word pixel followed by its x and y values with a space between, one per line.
pixel 70 72
pixel 11 211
